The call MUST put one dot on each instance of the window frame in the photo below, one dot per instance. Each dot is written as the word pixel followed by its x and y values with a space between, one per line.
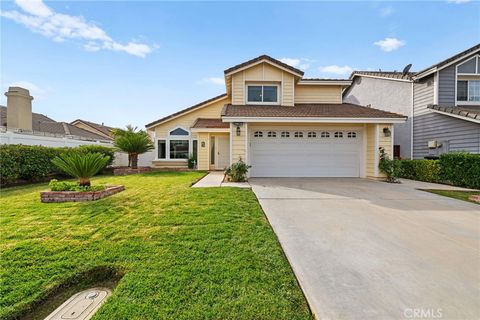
pixel 463 76
pixel 247 85
pixel 170 137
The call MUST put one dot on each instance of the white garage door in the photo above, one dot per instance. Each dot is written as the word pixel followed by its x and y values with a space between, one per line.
pixel 287 152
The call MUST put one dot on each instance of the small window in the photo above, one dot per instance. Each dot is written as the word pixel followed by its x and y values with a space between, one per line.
pixel 195 149
pixel 285 134
pixel 258 134
pixel 271 134
pixel 162 149
pixel 179 132
pixel 462 90
pixel 298 134
pixel 325 134
pixel 312 134
pixel 351 135
pixel 262 94
pixel 338 134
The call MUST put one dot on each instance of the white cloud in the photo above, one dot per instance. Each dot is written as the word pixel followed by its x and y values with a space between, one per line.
pixel 212 80
pixel 338 70
pixel 390 44
pixel 458 1
pixel 39 18
pixel 301 63
pixel 386 11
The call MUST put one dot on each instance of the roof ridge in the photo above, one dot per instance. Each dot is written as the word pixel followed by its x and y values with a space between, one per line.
pixel 66 128
pixel 263 57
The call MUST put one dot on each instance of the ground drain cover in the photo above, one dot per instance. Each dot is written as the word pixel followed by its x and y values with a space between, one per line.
pixel 81 306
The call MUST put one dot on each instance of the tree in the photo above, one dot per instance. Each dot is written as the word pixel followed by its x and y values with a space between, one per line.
pixel 82 166
pixel 132 142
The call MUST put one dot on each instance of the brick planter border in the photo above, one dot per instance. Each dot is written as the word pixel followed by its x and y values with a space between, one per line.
pixel 474 198
pixel 123 171
pixel 77 196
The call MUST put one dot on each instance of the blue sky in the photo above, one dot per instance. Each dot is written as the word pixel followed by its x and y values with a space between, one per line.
pixel 122 62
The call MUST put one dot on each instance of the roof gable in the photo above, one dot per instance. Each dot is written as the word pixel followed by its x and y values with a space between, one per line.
pixel 264 59
pixel 445 63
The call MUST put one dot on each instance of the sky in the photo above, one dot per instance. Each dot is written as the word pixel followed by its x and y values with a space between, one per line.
pixel 133 62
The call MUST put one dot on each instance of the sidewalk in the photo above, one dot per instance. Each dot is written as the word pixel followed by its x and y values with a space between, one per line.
pixel 215 179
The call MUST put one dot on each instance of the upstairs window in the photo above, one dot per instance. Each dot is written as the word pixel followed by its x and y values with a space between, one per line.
pixel 468 90
pixel 262 94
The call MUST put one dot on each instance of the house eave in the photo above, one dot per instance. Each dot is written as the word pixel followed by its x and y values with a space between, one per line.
pixel 313 120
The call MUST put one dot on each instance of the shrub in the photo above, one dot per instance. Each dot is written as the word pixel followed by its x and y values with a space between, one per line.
pixel 56 185
pixel 461 169
pixel 391 167
pixel 33 163
pixel 422 170
pixel 82 166
pixel 192 160
pixel 237 172
pixel 132 142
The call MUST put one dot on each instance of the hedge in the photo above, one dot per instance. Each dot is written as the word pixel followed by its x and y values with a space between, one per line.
pixel 422 170
pixel 456 168
pixel 461 169
pixel 33 163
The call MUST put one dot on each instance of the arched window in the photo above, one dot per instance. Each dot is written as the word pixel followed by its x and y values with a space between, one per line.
pixel 338 134
pixel 271 134
pixel 351 135
pixel 258 134
pixel 285 134
pixel 312 134
pixel 179 132
pixel 325 134
pixel 298 134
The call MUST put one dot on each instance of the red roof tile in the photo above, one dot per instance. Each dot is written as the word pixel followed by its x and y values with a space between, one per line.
pixel 210 123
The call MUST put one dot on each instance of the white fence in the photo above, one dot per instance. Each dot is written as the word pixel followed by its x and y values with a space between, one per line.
pixel 51 140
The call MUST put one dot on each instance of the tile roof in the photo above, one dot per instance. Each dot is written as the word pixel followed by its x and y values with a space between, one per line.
pixel 324 79
pixel 452 58
pixel 42 123
pixel 264 57
pixel 210 123
pixel 223 95
pixel 384 74
pixel 100 127
pixel 468 112
pixel 344 110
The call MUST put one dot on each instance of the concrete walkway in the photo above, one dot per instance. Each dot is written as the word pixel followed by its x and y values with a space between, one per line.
pixel 215 179
pixel 364 249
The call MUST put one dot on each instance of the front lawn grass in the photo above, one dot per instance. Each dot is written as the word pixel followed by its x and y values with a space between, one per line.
pixel 460 195
pixel 186 253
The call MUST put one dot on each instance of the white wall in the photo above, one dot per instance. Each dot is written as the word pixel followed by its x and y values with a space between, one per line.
pixel 121 159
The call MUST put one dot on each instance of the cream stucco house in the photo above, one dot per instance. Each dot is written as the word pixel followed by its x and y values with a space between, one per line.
pixel 280 123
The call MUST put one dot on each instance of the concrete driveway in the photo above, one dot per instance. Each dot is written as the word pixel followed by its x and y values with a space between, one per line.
pixel 363 249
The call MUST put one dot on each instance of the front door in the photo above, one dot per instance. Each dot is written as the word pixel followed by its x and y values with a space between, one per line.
pixel 222 158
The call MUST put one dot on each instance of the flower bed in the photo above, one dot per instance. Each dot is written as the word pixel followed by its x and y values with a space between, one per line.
pixel 76 196
pixel 123 171
pixel 475 198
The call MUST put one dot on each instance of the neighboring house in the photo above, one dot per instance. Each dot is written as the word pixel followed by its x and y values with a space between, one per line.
pixel 279 123
pixel 442 101
pixel 19 125
pixel 390 91
pixel 96 128
pixel 446 108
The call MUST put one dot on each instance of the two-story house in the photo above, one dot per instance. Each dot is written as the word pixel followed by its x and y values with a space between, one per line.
pixel 442 103
pixel 280 123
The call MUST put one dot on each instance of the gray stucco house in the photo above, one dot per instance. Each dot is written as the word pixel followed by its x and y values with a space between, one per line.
pixel 441 101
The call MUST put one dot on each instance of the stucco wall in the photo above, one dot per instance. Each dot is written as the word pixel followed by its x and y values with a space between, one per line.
pixel 388 95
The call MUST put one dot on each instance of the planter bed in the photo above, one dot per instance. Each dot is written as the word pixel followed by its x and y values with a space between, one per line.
pixel 76 196
pixel 123 171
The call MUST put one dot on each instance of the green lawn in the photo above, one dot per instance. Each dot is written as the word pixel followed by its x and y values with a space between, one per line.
pixel 185 253
pixel 460 195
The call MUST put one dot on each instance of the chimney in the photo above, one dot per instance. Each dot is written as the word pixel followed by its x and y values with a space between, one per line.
pixel 19 108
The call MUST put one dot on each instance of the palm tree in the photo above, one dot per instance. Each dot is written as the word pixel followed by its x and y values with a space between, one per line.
pixel 132 142
pixel 82 166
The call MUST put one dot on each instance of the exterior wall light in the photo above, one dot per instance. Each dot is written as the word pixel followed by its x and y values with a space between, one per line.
pixel 238 125
pixel 387 132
